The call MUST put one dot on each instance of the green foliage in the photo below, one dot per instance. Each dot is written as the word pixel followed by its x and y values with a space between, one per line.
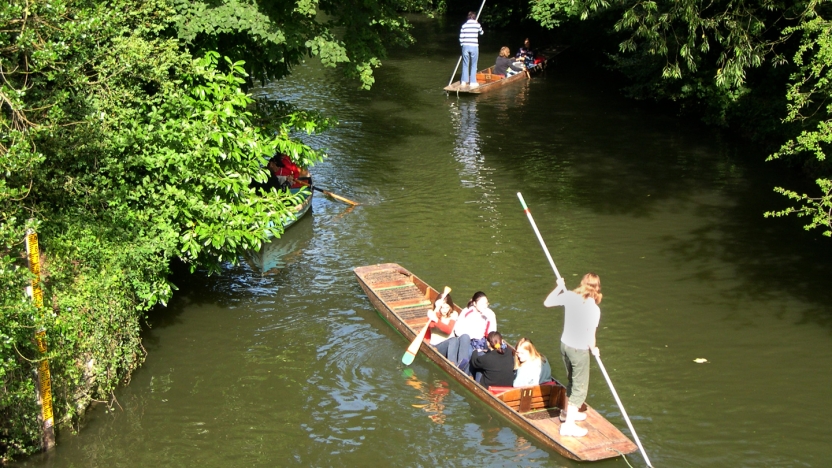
pixel 818 208
pixel 18 408
pixel 123 151
pixel 703 55
pixel 272 36
pixel 809 103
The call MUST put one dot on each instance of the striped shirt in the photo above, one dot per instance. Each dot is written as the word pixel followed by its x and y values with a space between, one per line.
pixel 469 32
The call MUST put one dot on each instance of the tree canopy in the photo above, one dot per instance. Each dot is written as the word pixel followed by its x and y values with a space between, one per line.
pixel 127 140
pixel 763 64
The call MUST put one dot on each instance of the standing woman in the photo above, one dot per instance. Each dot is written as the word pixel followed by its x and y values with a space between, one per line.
pixel 581 318
pixel 469 40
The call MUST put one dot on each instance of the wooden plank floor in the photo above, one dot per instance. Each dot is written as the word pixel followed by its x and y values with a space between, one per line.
pixel 601 439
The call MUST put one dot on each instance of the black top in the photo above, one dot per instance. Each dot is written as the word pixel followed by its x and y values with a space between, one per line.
pixel 497 369
pixel 503 64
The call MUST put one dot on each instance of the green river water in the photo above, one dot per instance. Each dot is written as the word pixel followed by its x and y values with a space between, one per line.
pixel 295 368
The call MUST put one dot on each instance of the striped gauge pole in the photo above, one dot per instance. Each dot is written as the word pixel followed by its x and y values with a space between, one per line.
pixel 44 388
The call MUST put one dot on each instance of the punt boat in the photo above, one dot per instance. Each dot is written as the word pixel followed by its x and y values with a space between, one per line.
pixel 489 81
pixel 403 300
pixel 271 254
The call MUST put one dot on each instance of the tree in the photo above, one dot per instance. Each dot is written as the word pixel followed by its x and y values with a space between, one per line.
pixel 701 53
pixel 272 36
pixel 127 142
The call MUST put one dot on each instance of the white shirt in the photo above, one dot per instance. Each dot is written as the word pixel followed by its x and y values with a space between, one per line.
pixel 475 324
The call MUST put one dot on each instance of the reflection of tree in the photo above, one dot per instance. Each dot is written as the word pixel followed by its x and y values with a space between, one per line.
pixel 433 394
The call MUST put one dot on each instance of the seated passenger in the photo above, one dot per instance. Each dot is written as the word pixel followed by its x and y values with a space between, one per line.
pixel 532 367
pixel 472 325
pixel 443 318
pixel 526 54
pixel 504 64
pixel 496 366
pixel 525 51
pixel 286 171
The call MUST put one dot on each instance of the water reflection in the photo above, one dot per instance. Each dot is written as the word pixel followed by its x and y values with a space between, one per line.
pixel 474 172
pixel 433 393
pixel 277 254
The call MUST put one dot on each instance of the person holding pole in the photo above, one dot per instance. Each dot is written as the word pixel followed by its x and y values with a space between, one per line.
pixel 581 317
pixel 469 40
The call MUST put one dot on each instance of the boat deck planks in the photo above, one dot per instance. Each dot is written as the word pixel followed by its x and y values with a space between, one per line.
pixel 533 409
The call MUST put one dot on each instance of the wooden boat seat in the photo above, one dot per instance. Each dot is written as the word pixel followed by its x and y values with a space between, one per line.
pixel 538 397
pixel 486 76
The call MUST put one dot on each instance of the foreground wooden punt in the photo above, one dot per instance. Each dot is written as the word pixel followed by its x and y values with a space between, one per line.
pixel 489 81
pixel 403 300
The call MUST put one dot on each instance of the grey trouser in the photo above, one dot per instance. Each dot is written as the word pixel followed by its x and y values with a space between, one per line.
pixel 577 373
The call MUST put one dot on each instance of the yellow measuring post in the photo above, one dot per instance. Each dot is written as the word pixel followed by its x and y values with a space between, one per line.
pixel 44 378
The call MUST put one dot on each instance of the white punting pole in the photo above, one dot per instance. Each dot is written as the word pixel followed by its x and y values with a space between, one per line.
pixel 623 411
pixel 536 231
pixel 597 358
pixel 460 57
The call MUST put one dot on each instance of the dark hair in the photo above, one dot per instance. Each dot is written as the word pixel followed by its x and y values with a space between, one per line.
pixel 472 15
pixel 277 159
pixel 495 339
pixel 477 295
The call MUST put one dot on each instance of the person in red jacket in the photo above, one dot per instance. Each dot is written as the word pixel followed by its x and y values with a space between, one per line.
pixel 285 170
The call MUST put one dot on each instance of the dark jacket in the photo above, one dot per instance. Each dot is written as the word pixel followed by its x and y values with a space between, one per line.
pixel 497 369
pixel 503 64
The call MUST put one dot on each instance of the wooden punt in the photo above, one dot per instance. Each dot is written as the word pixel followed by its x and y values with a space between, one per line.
pixel 403 300
pixel 489 81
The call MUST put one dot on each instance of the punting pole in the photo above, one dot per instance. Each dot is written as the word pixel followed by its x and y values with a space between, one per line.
pixel 623 411
pixel 536 231
pixel 460 57
pixel 597 358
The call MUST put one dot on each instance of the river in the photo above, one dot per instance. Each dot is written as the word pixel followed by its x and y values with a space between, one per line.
pixel 293 367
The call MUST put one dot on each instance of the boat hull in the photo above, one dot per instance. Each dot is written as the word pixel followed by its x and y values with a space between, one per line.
pixel 403 299
pixel 489 81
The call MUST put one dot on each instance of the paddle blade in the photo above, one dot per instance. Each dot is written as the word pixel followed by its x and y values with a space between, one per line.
pixel 341 199
pixel 408 358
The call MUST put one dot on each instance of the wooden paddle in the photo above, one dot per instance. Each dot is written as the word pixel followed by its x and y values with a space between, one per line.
pixel 328 193
pixel 410 353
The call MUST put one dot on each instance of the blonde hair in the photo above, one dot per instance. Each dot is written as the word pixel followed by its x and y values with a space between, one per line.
pixel 526 344
pixel 590 287
pixel 505 52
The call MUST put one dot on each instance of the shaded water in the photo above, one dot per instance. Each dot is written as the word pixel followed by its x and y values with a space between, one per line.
pixel 296 368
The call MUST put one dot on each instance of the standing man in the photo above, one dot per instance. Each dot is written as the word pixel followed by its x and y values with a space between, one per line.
pixel 469 40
